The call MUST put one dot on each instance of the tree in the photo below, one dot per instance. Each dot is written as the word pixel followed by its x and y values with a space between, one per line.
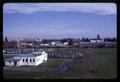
pixel 114 39
pixel 110 39
pixel 83 39
pixel 70 42
pixel 45 41
pixel 6 40
pixel 98 36
pixel 87 40
pixel 63 40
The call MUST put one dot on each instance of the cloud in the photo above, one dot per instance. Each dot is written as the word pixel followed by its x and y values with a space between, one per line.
pixel 29 8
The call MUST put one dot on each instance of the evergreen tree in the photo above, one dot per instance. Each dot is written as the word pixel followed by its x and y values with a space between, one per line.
pixel 98 36
pixel 6 40
pixel 70 42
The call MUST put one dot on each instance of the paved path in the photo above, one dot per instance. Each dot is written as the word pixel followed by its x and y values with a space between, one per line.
pixel 64 67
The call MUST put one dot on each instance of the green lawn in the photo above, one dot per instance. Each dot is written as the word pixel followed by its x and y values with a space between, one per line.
pixel 52 63
pixel 106 62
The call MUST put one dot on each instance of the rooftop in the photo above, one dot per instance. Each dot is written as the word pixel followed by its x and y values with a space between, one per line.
pixel 25 55
pixel 11 59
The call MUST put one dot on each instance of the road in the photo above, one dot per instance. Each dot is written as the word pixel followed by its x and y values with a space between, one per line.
pixel 63 68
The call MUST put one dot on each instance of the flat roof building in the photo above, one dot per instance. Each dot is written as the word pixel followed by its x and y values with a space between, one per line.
pixel 31 59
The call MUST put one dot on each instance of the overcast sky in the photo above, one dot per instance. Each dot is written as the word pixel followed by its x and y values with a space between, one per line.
pixel 59 20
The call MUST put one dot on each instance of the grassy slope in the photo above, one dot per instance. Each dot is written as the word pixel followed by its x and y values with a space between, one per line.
pixel 106 62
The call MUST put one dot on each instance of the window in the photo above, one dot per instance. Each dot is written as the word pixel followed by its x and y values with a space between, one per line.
pixel 23 60
pixel 30 60
pixel 26 60
pixel 33 60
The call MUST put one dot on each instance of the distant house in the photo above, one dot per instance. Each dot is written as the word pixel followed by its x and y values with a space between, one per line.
pixel 45 44
pixel 28 42
pixel 96 40
pixel 66 43
pixel 10 44
pixel 37 40
pixel 53 43
pixel 59 44
pixel 32 59
pixel 76 43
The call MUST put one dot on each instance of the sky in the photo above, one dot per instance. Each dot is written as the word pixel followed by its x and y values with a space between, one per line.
pixel 59 20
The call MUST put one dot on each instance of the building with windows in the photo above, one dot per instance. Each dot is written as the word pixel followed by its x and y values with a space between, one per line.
pixel 96 40
pixel 32 59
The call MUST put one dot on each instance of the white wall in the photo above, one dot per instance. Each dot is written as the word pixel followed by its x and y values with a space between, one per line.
pixel 28 61
pixel 21 61
pixel 18 63
pixel 7 63
pixel 40 59
pixel 93 41
pixel 31 63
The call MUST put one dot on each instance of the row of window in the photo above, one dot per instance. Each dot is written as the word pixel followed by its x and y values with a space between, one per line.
pixel 31 60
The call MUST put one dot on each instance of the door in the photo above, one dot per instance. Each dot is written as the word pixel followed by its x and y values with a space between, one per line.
pixel 15 63
pixel 3 63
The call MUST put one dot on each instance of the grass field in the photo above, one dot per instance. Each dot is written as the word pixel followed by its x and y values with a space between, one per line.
pixel 106 62
pixel 102 62
pixel 105 65
pixel 52 63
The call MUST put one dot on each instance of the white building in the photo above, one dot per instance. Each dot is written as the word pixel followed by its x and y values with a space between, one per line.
pixel 53 43
pixel 3 51
pixel 38 40
pixel 93 41
pixel 59 44
pixel 44 44
pixel 66 43
pixel 32 59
